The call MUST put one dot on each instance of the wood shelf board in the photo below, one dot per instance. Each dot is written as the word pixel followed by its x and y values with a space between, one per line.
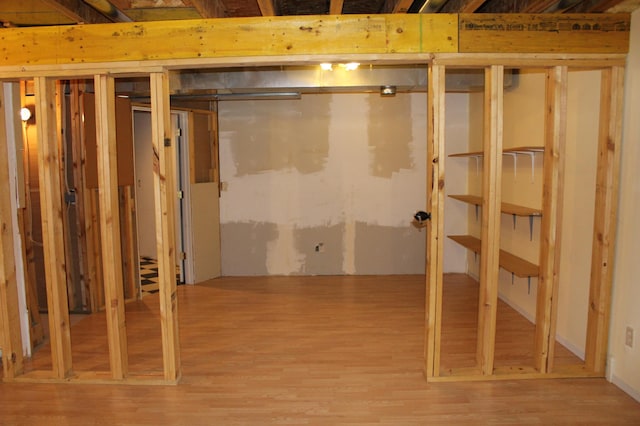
pixel 512 263
pixel 516 150
pixel 506 208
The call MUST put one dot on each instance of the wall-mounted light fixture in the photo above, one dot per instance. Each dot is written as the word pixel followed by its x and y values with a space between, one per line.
pixel 27 114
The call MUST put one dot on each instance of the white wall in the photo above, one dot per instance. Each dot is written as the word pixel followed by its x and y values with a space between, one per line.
pixel 344 170
pixel 624 362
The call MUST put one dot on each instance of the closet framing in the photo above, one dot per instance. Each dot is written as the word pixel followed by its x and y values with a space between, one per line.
pixel 440 42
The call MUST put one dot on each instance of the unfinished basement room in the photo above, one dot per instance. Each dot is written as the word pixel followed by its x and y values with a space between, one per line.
pixel 250 212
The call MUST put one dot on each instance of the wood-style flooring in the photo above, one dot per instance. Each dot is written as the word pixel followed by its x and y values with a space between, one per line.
pixel 305 350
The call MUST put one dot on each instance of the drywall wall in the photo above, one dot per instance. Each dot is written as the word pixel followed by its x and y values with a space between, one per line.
pixel 624 361
pixel 327 184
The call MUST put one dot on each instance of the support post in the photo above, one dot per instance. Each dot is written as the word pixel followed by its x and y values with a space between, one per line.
pixel 491 198
pixel 435 227
pixel 110 224
pixel 52 222
pixel 164 190
pixel 552 194
pixel 604 227
pixel 10 336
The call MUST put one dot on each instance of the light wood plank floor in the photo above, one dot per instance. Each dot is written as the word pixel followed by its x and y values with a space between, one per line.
pixel 297 351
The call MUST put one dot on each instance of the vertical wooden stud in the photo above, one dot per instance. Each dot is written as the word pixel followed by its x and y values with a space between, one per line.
pixel 491 198
pixel 435 227
pixel 129 247
pixel 53 240
pixel 26 226
pixel 164 189
pixel 110 224
pixel 10 337
pixel 551 225
pixel 604 227
pixel 75 106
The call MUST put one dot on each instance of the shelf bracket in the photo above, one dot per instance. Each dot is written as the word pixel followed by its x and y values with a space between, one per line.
pixel 530 227
pixel 477 208
pixel 477 158
pixel 514 221
pixel 529 285
pixel 513 276
pixel 514 155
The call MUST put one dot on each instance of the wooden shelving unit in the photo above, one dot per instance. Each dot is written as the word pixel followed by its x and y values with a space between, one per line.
pixel 506 208
pixel 517 150
pixel 514 264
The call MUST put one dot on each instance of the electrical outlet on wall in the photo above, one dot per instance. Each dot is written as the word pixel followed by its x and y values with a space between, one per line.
pixel 628 337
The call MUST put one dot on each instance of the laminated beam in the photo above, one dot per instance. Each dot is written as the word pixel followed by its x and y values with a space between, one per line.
pixel 491 199
pixel 110 224
pixel 604 227
pixel 229 37
pixel 547 33
pixel 164 198
pixel 435 227
pixel 10 337
pixel 551 226
pixel 52 223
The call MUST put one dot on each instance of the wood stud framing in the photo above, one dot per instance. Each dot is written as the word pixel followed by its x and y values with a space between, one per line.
pixel 429 40
pixel 604 227
pixel 490 234
pixel 552 192
pixel 110 224
pixel 10 338
pixel 163 182
pixel 52 223
pixel 435 227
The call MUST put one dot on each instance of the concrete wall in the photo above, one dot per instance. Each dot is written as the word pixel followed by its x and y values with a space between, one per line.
pixel 624 362
pixel 327 184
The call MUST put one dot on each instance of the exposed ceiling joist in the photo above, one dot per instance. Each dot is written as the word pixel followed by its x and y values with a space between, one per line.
pixel 209 8
pixel 78 11
pixel 266 7
pixel 397 6
pixel 462 6
pixel 594 6
pixel 335 7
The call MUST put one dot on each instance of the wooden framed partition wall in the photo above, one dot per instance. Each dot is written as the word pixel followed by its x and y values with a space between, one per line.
pixel 439 42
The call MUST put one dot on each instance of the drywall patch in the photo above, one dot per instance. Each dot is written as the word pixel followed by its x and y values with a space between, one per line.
pixel 244 247
pixel 278 135
pixel 282 256
pixel 382 250
pixel 322 249
pixel 390 134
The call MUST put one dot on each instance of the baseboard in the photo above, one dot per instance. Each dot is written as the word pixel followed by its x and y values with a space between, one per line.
pixel 579 352
pixel 633 393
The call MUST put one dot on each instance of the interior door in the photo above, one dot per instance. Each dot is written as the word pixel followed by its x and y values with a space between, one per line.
pixel 204 206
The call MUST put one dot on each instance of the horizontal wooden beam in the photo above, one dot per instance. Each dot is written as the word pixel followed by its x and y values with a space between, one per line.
pixel 547 33
pixel 142 41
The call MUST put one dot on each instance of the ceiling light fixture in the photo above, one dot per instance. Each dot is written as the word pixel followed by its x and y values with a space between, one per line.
pixel 350 66
pixel 326 66
pixel 388 91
